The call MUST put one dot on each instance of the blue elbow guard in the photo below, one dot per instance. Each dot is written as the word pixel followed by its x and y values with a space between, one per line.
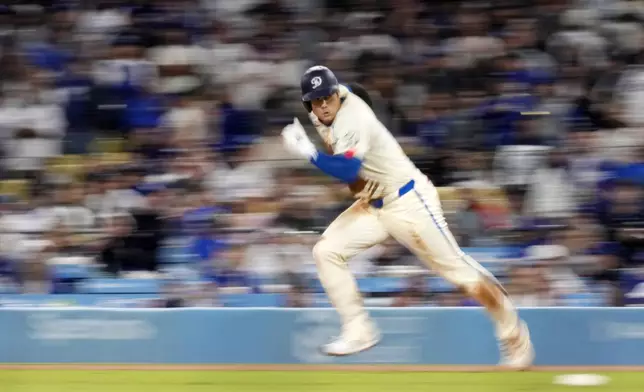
pixel 344 168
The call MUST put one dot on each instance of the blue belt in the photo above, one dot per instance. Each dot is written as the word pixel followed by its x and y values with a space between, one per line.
pixel 403 190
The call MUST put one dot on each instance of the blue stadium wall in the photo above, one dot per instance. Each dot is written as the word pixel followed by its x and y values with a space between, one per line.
pixel 445 336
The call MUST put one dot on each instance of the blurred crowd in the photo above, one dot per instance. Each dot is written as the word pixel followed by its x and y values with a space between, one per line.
pixel 141 141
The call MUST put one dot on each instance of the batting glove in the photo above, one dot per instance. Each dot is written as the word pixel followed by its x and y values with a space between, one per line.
pixel 297 142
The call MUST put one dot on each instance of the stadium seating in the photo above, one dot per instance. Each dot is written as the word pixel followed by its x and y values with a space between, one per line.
pixel 69 165
pixel 120 286
pixel 114 158
pixel 109 146
pixel 7 288
pixel 381 285
pixel 178 264
pixel 588 299
pixel 116 300
pixel 18 189
pixel 72 271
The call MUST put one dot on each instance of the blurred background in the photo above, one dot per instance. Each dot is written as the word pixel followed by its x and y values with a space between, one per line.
pixel 142 164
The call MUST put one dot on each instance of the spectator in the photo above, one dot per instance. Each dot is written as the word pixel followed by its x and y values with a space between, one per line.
pixel 585 165
pixel 143 117
pixel 297 296
pixel 57 245
pixel 203 296
pixel 515 164
pixel 623 219
pixel 450 299
pixel 178 61
pixel 474 43
pixel 49 54
pixel 102 22
pixel 243 176
pixel 226 270
pixel 67 208
pixel 551 193
pixel 223 53
pixel 391 254
pixel 173 295
pixel 205 244
pixel 118 77
pixel 413 295
pixel 74 90
pixel 122 194
pixel 186 121
pixel 149 231
pixel 38 123
pixel 557 269
pixel 120 253
pixel 526 288
pixel 475 221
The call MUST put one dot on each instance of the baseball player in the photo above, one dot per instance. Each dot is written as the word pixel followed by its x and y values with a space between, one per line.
pixel 393 199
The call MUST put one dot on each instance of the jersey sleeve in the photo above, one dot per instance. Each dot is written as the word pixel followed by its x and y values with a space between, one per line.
pixel 350 141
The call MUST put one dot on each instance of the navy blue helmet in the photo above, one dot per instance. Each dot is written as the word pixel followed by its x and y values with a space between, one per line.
pixel 318 82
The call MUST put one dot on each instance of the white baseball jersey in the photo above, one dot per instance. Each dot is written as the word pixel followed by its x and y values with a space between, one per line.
pixel 358 132
pixel 414 216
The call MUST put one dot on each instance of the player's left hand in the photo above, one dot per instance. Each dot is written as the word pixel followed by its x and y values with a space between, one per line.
pixel 371 190
pixel 296 140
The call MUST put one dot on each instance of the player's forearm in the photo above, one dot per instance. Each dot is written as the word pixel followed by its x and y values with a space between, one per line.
pixel 342 167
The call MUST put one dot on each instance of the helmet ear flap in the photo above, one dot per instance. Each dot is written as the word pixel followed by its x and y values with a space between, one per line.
pixel 307 106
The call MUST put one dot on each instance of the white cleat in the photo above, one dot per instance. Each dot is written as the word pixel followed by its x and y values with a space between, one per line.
pixel 517 351
pixel 352 343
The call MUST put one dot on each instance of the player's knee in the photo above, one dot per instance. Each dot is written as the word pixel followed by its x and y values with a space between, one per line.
pixel 323 251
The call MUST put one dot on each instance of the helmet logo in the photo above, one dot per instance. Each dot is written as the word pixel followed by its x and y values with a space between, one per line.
pixel 316 82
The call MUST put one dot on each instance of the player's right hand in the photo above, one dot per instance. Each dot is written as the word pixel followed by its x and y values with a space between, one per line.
pixel 297 142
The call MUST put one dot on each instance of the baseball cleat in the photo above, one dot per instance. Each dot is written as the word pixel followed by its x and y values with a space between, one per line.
pixel 517 351
pixel 349 343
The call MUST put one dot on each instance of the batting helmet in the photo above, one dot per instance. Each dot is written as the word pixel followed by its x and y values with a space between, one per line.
pixel 318 82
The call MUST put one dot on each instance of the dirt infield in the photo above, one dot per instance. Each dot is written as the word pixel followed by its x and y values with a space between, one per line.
pixel 300 367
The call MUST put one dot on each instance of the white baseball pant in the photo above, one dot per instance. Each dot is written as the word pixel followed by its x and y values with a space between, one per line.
pixel 415 219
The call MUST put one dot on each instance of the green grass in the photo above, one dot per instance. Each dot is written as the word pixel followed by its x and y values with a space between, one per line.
pixel 301 381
